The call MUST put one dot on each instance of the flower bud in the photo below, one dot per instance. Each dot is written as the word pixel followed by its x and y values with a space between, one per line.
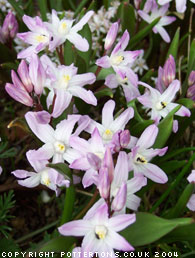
pixel 191 92
pixel 108 163
pixel 10 26
pixel 111 36
pixel 94 160
pixel 24 76
pixel 37 74
pixel 191 79
pixel 120 198
pixel 104 183
pixel 124 138
pixel 168 71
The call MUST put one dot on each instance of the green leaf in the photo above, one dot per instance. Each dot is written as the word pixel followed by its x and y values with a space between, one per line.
pixel 126 14
pixel 17 8
pixel 63 169
pixel 136 114
pixel 189 103
pixel 148 75
pixel 149 228
pixel 174 183
pixel 172 165
pixel 138 128
pixel 142 33
pixel 104 92
pixel 165 129
pixel 58 244
pixel 69 55
pixel 86 33
pixel 173 49
pixel 191 67
pixel 185 233
pixel 180 206
pixel 43 9
pixel 104 72
pixel 80 7
pixel 7 55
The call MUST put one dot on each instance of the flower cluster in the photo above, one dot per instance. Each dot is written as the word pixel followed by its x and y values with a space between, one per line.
pixel 109 155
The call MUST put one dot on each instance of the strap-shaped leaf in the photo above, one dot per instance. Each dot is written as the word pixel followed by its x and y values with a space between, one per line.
pixel 149 228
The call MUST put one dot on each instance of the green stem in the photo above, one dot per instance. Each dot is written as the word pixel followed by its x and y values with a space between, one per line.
pixel 177 152
pixel 68 205
pixel 36 232
pixel 173 184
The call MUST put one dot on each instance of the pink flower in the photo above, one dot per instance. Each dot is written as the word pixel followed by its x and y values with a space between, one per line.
pixel 151 6
pixel 141 154
pixel 100 231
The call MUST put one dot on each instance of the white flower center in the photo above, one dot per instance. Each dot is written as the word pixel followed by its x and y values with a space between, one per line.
pixel 41 39
pixel 139 159
pixel 59 147
pixel 64 81
pixel 161 105
pixel 62 28
pixel 117 60
pixel 101 232
pixel 45 180
pixel 99 154
pixel 107 135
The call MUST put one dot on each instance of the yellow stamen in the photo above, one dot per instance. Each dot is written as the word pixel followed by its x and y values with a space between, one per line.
pixel 107 134
pixel 41 38
pixel 140 159
pixel 100 232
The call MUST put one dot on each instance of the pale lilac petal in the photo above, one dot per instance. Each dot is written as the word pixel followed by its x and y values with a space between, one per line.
pixel 89 244
pixel 144 16
pixel 19 94
pixel 162 2
pixel 111 35
pixel 43 131
pixel 180 6
pixel 121 169
pixel 150 153
pixel 103 62
pixel 62 101
pixel 96 141
pixel 122 44
pixel 75 228
pixel 148 137
pixel 43 117
pixel 70 155
pixel 58 158
pixel 85 95
pixel 121 121
pixel 136 183
pixel 169 94
pixel 120 222
pixel 30 182
pixel 78 41
pixel 79 144
pixel 154 173
pixel 118 242
pixel 101 215
pixel 133 202
pixel 37 164
pixel 191 177
pixel 175 126
pixel 65 127
pixel 30 22
pixel 26 52
pixel 81 80
pixel 163 33
pixel 111 81
pixel 191 203
pixel 83 21
pixel 23 72
pixel 90 177
pixel 166 20
pixel 19 173
pixel 80 164
pixel 107 113
pixel 83 122
pixel 46 152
